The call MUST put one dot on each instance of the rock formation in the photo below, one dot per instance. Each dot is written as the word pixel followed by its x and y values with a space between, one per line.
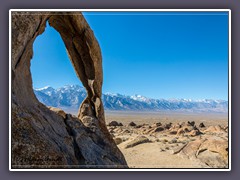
pixel 49 138
pixel 204 149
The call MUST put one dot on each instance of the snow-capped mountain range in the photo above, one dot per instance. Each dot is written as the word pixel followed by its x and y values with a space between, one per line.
pixel 71 96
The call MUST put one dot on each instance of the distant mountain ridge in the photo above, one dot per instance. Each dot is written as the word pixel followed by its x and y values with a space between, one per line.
pixel 71 96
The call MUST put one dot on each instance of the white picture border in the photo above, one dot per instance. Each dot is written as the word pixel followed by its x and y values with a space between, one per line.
pixel 126 10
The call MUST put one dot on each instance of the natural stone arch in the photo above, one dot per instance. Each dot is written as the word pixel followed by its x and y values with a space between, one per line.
pixel 86 142
pixel 85 55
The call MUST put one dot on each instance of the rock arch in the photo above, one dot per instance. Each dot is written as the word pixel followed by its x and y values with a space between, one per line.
pixel 41 137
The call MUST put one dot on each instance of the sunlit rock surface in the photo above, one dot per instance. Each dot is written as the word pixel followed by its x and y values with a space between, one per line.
pixel 45 138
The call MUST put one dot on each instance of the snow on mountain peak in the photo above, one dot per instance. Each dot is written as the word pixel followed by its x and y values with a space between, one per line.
pixel 139 98
pixel 110 94
pixel 73 95
pixel 44 88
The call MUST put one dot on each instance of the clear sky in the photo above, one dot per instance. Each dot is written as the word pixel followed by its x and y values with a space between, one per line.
pixel 158 55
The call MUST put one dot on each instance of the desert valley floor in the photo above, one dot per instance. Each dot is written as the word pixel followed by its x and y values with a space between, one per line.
pixel 171 139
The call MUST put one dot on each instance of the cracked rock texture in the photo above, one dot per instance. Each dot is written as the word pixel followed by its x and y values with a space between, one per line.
pixel 45 137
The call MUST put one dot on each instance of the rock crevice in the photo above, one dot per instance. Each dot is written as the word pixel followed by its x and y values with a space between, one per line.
pixel 77 151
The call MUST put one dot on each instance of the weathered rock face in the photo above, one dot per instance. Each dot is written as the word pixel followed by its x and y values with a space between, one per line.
pixel 49 138
pixel 212 152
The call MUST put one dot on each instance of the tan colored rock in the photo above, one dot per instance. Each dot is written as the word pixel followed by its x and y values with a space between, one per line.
pixel 194 132
pixel 138 140
pixel 212 159
pixel 40 137
pixel 219 146
pixel 215 129
pixel 180 132
pixel 189 130
pixel 175 127
pixel 213 151
pixel 58 111
pixel 191 149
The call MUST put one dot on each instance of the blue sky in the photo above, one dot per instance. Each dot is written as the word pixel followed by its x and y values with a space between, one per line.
pixel 158 55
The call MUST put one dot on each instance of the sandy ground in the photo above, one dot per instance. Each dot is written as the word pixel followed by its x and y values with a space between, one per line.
pixel 148 155
pixel 156 154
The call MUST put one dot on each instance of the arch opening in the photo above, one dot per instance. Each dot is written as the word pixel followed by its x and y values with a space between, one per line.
pixel 54 79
